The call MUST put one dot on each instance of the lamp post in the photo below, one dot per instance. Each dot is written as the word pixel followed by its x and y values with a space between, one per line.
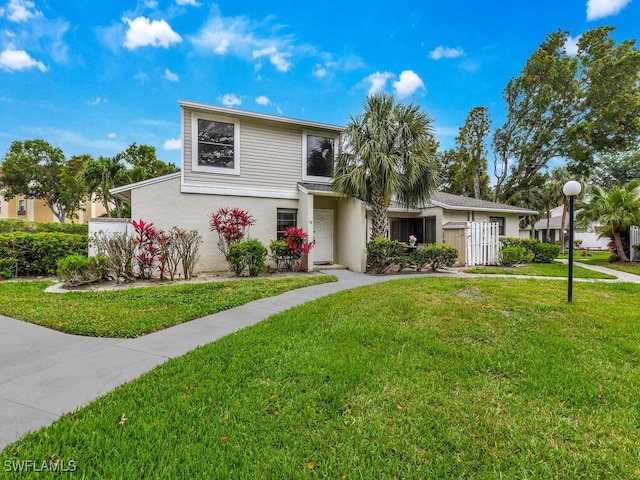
pixel 571 189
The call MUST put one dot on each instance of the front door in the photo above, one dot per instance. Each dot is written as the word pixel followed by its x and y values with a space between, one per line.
pixel 323 236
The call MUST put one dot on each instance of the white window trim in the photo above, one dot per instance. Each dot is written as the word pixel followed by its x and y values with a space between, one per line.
pixel 194 144
pixel 314 178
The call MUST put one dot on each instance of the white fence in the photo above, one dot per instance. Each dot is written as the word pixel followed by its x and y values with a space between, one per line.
pixel 108 225
pixel 634 237
pixel 482 243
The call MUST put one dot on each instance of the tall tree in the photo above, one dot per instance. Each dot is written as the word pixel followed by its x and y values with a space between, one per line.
pixel 617 209
pixel 616 169
pixel 574 107
pixel 144 163
pixel 102 175
pixel 471 145
pixel 390 153
pixel 36 169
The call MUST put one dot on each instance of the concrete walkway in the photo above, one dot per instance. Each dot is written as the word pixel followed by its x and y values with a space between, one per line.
pixel 45 373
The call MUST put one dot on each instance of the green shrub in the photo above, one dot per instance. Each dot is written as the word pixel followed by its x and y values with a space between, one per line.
pixel 403 261
pixel 545 252
pixel 37 227
pixel 38 253
pixel 382 253
pixel 78 269
pixel 250 254
pixel 278 250
pixel 510 256
pixel 436 256
pixel 528 244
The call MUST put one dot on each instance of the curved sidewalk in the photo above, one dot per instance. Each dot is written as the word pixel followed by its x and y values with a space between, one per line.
pixel 45 373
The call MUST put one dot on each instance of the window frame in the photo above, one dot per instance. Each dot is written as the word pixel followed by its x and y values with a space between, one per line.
pixel 195 166
pixel 294 211
pixel 317 178
pixel 501 221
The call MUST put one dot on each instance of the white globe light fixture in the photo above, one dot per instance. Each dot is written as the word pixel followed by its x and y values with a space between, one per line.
pixel 571 189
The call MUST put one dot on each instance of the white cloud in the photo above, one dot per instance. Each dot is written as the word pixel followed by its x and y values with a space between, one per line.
pixel 96 101
pixel 262 100
pixel 377 81
pixel 446 52
pixel 193 3
pixel 230 100
pixel 21 10
pixel 14 60
pixel 571 46
pixel 112 135
pixel 408 83
pixel 320 71
pixel 143 32
pixel 249 40
pixel 172 77
pixel 173 144
pixel 141 77
pixel 278 59
pixel 152 4
pixel 603 8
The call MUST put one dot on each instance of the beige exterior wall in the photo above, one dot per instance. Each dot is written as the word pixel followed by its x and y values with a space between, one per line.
pixel 164 205
pixel 351 233
pixel 37 211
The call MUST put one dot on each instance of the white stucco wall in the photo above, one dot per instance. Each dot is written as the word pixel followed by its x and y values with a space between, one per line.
pixel 164 205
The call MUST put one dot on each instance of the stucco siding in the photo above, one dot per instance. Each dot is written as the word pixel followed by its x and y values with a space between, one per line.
pixel 164 205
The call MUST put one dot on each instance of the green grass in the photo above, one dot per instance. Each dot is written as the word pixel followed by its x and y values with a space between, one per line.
pixel 541 270
pixel 136 311
pixel 418 378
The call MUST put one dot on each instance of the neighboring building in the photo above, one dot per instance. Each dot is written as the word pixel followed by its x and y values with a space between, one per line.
pixel 588 235
pixel 36 210
pixel 279 170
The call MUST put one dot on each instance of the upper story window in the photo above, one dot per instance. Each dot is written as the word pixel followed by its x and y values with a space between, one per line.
pixel 215 144
pixel 318 157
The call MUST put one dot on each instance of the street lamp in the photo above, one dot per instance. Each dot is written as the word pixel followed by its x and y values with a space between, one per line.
pixel 571 189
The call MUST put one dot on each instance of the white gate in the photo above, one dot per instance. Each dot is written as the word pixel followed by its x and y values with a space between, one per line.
pixel 634 238
pixel 482 243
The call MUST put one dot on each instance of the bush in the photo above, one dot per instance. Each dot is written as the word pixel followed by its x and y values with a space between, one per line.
pixel 545 252
pixel 421 257
pixel 528 244
pixel 231 225
pixel 119 250
pixel 12 225
pixel 76 269
pixel 381 254
pixel 441 255
pixel 38 253
pixel 510 256
pixel 250 254
pixel 290 251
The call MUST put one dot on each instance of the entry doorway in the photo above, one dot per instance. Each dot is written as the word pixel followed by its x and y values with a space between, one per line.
pixel 323 236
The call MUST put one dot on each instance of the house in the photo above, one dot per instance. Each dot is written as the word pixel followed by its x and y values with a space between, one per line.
pixel 36 210
pixel 589 235
pixel 279 170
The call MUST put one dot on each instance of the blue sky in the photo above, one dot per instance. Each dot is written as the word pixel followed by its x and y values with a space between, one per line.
pixel 93 77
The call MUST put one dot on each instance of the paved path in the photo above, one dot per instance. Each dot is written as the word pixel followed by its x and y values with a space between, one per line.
pixel 45 373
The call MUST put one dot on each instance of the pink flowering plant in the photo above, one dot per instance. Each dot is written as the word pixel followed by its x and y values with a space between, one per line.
pixel 147 253
pixel 231 225
pixel 289 252
pixel 412 240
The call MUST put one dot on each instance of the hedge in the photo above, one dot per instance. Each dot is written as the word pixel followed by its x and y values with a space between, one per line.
pixel 23 253
pixel 12 225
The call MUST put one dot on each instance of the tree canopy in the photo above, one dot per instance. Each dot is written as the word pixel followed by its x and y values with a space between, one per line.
pixel 576 107
pixel 36 169
pixel 464 169
pixel 390 154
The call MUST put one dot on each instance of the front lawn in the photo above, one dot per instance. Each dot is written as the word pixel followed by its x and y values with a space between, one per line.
pixel 419 378
pixel 541 270
pixel 137 311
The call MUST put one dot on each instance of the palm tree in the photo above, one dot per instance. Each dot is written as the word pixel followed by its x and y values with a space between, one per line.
pixel 390 153
pixel 103 174
pixel 616 209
